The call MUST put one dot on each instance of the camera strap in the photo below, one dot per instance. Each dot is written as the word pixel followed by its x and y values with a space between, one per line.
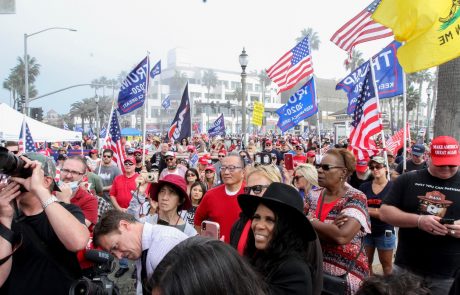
pixel 145 291
pixel 43 248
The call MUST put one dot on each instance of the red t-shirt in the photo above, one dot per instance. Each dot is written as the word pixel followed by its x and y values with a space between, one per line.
pixel 121 189
pixel 219 207
pixel 87 203
pixel 325 209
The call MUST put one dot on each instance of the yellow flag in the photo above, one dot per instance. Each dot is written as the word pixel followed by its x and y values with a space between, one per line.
pixel 429 28
pixel 258 113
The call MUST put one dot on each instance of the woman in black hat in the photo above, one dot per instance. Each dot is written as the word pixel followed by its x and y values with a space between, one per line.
pixel 279 246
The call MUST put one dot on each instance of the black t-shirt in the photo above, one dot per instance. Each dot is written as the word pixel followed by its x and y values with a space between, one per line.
pixel 419 251
pixel 410 166
pixel 32 272
pixel 356 182
pixel 378 227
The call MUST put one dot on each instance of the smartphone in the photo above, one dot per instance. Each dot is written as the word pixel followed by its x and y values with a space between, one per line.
pixel 447 221
pixel 288 162
pixel 210 229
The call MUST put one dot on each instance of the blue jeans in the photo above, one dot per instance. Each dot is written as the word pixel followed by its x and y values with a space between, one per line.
pixel 437 286
pixel 381 242
pixel 124 263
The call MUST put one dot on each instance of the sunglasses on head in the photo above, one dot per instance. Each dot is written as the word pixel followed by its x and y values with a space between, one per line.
pixel 257 189
pixel 327 167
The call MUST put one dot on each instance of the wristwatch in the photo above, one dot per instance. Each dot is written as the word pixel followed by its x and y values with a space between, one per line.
pixel 49 202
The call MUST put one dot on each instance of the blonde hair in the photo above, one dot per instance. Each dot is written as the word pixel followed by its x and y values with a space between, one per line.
pixel 268 171
pixel 309 172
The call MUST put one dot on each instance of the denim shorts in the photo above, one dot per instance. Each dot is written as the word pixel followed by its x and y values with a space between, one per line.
pixel 381 242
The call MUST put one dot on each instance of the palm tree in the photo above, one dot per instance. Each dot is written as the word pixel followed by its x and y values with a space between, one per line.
pixel 356 60
pixel 178 82
pixel 419 78
pixel 209 80
pixel 264 81
pixel 446 120
pixel 79 109
pixel 314 38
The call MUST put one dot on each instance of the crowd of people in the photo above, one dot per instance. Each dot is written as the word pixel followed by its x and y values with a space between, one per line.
pixel 294 216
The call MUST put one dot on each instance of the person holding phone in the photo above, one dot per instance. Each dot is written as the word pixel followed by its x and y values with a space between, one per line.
pixel 279 246
pixel 383 236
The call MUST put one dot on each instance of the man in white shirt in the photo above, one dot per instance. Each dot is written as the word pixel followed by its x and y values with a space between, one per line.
pixel 120 234
pixel 172 167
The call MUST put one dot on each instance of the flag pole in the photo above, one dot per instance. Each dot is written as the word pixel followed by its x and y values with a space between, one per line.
pixel 382 133
pixel 404 120
pixel 146 90
pixel 108 125
pixel 317 117
pixel 23 134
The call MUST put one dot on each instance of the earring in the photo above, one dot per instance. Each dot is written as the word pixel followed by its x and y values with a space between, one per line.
pixel 341 178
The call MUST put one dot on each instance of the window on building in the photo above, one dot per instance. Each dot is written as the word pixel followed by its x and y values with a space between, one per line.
pixel 250 86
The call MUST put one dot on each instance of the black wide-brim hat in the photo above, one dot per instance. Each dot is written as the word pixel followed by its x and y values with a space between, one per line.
pixel 284 197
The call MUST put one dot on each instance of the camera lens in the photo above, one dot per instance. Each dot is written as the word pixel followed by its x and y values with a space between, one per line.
pixel 12 165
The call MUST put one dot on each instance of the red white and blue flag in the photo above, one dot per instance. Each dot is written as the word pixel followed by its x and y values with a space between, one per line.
pixel 361 28
pixel 114 142
pixel 366 121
pixel 26 142
pixel 292 67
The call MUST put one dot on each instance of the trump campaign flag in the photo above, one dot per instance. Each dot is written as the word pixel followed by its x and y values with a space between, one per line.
pixel 182 123
pixel 388 76
pixel 360 29
pixel 156 70
pixel 166 102
pixel 133 88
pixel 300 106
pixel 366 121
pixel 430 30
pixel 292 67
pixel 218 127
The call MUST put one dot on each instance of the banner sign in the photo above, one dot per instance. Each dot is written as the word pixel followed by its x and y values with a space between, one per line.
pixel 300 106
pixel 166 102
pixel 388 76
pixel 133 88
pixel 258 113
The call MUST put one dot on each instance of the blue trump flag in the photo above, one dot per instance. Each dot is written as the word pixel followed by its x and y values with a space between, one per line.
pixel 388 76
pixel 182 123
pixel 218 127
pixel 134 87
pixel 156 70
pixel 166 102
pixel 300 106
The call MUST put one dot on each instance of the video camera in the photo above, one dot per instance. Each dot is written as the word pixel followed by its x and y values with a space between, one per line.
pixel 12 165
pixel 96 283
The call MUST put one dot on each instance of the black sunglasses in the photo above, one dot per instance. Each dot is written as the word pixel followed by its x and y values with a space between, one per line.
pixel 106 156
pixel 378 167
pixel 257 189
pixel 169 159
pixel 327 167
pixel 297 177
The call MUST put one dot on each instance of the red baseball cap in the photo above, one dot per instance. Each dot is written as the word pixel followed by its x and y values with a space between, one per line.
pixel 130 159
pixel 268 142
pixel 361 165
pixel 191 148
pixel 210 167
pixel 203 161
pixel 444 151
pixel 311 154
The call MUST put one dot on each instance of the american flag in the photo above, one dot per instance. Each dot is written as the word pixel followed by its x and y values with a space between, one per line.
pixel 394 143
pixel 360 29
pixel 29 145
pixel 292 67
pixel 114 141
pixel 366 121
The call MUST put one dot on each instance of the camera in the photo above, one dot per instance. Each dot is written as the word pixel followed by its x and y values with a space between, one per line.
pixel 96 282
pixel 150 176
pixel 13 166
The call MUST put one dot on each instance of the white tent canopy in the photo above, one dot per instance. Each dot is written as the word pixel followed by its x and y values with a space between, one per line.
pixel 11 123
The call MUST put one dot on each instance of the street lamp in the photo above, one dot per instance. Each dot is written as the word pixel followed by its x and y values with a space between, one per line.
pixel 96 98
pixel 429 91
pixel 26 65
pixel 243 62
